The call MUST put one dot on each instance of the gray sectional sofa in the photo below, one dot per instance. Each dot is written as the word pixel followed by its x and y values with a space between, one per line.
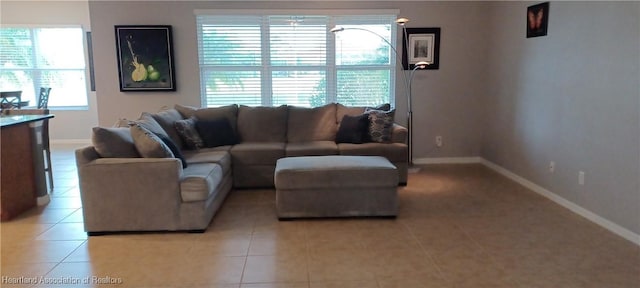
pixel 135 179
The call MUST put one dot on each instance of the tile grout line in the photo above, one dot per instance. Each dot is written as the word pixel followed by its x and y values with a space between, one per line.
pixel 424 250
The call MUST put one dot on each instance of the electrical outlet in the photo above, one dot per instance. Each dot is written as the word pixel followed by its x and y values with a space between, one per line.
pixel 581 177
pixel 439 141
pixel 552 167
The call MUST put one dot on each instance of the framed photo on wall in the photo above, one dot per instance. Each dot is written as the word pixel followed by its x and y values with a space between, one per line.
pixel 424 45
pixel 537 20
pixel 145 58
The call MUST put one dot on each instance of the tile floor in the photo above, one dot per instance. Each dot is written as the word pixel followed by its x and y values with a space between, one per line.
pixel 459 226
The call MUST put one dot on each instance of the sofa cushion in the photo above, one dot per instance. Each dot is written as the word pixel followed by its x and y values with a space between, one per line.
pixel 257 153
pixel 174 149
pixel 210 155
pixel 230 112
pixel 380 125
pixel 114 143
pixel 315 148
pixel 166 118
pixel 199 181
pixel 353 129
pixel 216 132
pixel 312 124
pixel 186 111
pixel 394 152
pixel 148 144
pixel 186 128
pixel 262 124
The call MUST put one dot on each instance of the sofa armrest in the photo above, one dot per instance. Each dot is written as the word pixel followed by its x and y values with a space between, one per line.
pixel 399 134
pixel 128 194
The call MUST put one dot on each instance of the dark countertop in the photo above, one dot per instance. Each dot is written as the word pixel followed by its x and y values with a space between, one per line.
pixel 8 120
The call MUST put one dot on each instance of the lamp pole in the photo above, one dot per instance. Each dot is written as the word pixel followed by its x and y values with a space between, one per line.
pixel 407 82
pixel 419 65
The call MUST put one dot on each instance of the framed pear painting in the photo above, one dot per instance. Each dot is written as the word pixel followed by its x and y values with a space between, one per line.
pixel 145 58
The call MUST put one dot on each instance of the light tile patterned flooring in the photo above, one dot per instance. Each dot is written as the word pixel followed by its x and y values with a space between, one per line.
pixel 459 226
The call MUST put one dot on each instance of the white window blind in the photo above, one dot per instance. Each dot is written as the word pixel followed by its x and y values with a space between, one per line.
pixel 295 60
pixel 31 58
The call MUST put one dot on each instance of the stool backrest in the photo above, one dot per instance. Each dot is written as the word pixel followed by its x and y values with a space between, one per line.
pixel 43 98
pixel 10 99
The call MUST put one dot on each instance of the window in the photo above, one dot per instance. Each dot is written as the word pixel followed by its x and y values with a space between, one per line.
pixel 31 58
pixel 295 60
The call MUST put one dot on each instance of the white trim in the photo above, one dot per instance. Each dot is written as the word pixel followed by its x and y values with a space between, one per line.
pixel 448 160
pixel 575 208
pixel 331 12
pixel 70 141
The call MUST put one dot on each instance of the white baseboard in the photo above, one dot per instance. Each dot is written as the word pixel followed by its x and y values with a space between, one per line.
pixel 448 160
pixel 70 141
pixel 575 208
pixel 613 227
pixel 43 200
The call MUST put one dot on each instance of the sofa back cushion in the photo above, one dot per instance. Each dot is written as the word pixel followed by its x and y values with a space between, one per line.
pixel 312 124
pixel 343 110
pixel 262 124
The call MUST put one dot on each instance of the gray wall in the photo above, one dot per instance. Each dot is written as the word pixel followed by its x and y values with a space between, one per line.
pixel 572 97
pixel 445 100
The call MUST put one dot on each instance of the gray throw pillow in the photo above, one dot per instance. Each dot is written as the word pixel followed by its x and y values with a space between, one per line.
pixel 148 122
pixel 189 134
pixel 166 118
pixel 114 143
pixel 148 144
pixel 380 125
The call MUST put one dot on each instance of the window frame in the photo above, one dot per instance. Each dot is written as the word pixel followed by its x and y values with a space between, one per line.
pixel 36 72
pixel 330 68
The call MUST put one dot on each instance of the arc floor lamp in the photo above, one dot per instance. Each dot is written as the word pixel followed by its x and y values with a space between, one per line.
pixel 407 80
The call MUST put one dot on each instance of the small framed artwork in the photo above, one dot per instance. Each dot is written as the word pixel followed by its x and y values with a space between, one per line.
pixel 145 58
pixel 423 45
pixel 537 20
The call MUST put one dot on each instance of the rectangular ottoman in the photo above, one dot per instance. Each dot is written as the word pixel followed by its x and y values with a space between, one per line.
pixel 335 186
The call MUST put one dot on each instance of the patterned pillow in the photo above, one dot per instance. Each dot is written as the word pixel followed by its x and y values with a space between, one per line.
pixel 380 125
pixel 189 134
pixel 149 145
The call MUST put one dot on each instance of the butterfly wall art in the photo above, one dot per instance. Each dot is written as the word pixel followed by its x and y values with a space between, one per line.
pixel 537 20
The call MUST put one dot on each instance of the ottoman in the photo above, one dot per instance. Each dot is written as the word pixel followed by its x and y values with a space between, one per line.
pixel 335 186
